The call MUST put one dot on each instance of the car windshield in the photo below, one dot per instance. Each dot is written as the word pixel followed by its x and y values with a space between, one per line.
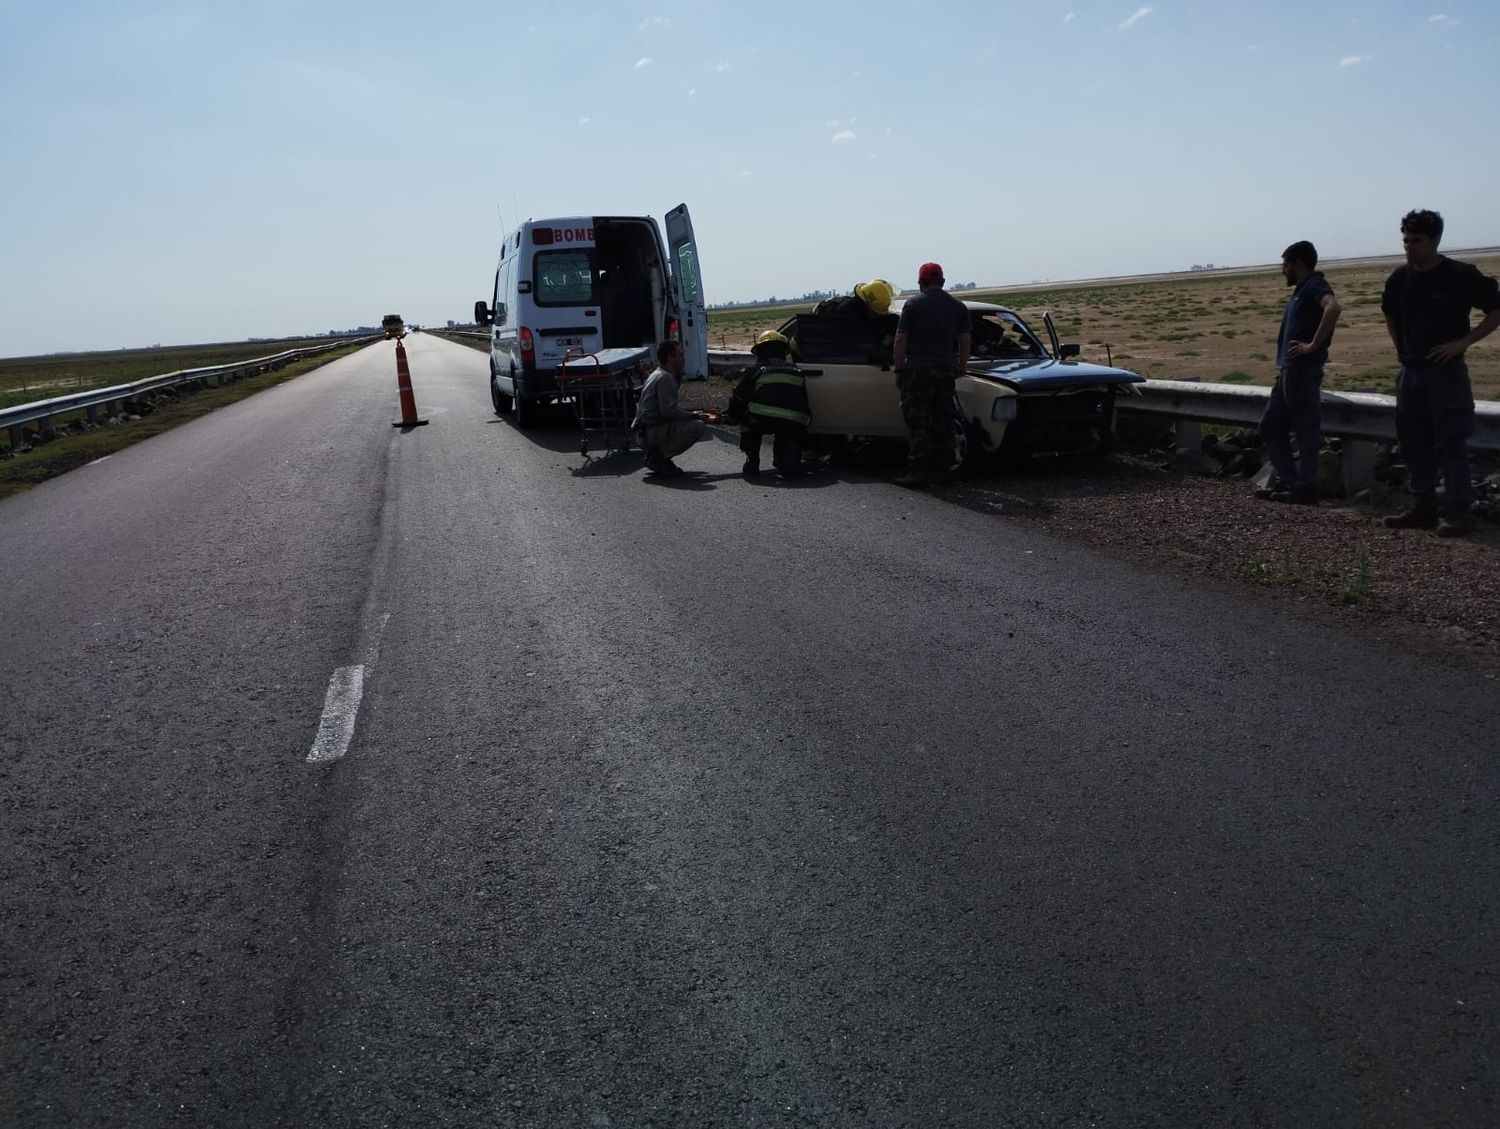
pixel 1002 335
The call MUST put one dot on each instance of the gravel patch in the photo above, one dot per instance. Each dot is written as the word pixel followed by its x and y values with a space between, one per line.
pixel 1334 563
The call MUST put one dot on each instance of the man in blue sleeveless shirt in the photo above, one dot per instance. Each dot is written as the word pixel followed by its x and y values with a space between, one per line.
pixel 1296 405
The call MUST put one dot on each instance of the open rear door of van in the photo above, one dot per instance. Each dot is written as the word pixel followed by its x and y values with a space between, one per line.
pixel 687 289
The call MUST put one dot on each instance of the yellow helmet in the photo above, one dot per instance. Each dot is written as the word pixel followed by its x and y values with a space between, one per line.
pixel 877 294
pixel 771 337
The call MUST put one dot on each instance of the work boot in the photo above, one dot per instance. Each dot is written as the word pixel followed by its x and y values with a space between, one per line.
pixel 1297 496
pixel 751 468
pixel 668 469
pixel 652 462
pixel 1423 515
pixel 914 479
pixel 1269 491
pixel 1455 525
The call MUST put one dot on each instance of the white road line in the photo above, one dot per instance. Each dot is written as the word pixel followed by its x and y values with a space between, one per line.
pixel 340 708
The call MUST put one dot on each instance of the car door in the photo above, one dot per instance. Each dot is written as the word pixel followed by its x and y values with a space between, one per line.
pixel 687 290
pixel 850 399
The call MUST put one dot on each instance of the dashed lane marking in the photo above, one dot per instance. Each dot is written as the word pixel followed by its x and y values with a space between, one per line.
pixel 340 708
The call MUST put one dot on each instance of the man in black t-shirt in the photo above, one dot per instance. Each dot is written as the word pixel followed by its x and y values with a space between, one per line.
pixel 931 350
pixel 1426 306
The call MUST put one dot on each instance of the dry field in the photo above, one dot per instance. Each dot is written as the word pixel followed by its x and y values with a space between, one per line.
pixel 1217 327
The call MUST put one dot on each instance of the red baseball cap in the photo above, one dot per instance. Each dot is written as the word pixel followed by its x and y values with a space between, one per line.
pixel 930 272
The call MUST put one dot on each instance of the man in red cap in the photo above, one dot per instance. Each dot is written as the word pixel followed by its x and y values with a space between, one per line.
pixel 931 349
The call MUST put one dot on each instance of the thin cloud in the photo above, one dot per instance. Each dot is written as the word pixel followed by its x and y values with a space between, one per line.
pixel 1443 21
pixel 1136 17
pixel 1353 60
pixel 721 66
pixel 844 135
pixel 1070 17
pixel 646 62
pixel 653 21
pixel 583 121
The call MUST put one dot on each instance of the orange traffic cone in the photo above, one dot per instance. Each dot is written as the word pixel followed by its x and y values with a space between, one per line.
pixel 403 385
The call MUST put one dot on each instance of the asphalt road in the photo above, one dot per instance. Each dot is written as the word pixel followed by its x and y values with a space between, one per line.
pixel 707 803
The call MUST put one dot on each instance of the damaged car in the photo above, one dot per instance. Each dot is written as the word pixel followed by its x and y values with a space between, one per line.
pixel 1017 396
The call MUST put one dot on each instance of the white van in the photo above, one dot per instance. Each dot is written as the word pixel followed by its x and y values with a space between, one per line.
pixel 590 283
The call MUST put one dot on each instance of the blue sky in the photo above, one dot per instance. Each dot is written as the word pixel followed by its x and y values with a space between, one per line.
pixel 180 172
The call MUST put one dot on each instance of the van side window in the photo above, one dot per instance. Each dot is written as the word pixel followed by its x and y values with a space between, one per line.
pixel 502 291
pixel 564 277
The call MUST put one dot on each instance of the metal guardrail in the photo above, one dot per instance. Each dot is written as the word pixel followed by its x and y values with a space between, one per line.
pixel 14 419
pixel 1350 415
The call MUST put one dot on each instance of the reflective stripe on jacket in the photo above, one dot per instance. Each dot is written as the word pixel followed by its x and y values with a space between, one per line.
pixel 779 393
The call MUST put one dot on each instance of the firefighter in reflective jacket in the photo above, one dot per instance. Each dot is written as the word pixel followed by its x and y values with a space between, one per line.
pixel 772 397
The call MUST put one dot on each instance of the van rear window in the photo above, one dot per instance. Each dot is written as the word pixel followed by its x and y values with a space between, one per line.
pixel 564 277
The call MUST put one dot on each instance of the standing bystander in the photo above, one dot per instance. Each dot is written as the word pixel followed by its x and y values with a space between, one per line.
pixel 1426 306
pixel 1295 404
pixel 930 351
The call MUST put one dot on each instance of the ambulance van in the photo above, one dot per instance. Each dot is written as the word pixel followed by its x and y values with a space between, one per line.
pixel 589 283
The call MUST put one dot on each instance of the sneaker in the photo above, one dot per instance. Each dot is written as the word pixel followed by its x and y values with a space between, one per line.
pixel 1299 496
pixel 1455 525
pixel 1418 517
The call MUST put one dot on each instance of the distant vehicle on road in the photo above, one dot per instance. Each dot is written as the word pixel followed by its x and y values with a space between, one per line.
pixel 1017 396
pixel 584 284
pixel 393 325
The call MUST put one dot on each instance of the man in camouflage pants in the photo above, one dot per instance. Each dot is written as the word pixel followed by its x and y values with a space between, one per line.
pixel 931 349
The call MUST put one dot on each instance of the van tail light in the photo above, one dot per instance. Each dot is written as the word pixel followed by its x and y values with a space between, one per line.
pixel 674 330
pixel 528 348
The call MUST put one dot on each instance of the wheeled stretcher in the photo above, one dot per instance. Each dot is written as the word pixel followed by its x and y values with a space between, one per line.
pixel 604 388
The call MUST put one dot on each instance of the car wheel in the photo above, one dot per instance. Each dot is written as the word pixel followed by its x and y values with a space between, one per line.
pixel 525 411
pixel 968 450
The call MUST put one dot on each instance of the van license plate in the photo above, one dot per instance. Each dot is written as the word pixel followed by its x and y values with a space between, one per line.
pixel 569 342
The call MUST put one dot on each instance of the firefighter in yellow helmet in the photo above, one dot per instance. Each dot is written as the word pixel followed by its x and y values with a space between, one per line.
pixel 870 305
pixel 772 398
pixel 870 300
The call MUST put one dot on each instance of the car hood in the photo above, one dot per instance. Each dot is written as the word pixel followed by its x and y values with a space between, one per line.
pixel 1031 376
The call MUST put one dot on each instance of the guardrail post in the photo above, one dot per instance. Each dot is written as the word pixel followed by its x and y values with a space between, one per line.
pixel 1188 433
pixel 17 437
pixel 91 413
pixel 1359 465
